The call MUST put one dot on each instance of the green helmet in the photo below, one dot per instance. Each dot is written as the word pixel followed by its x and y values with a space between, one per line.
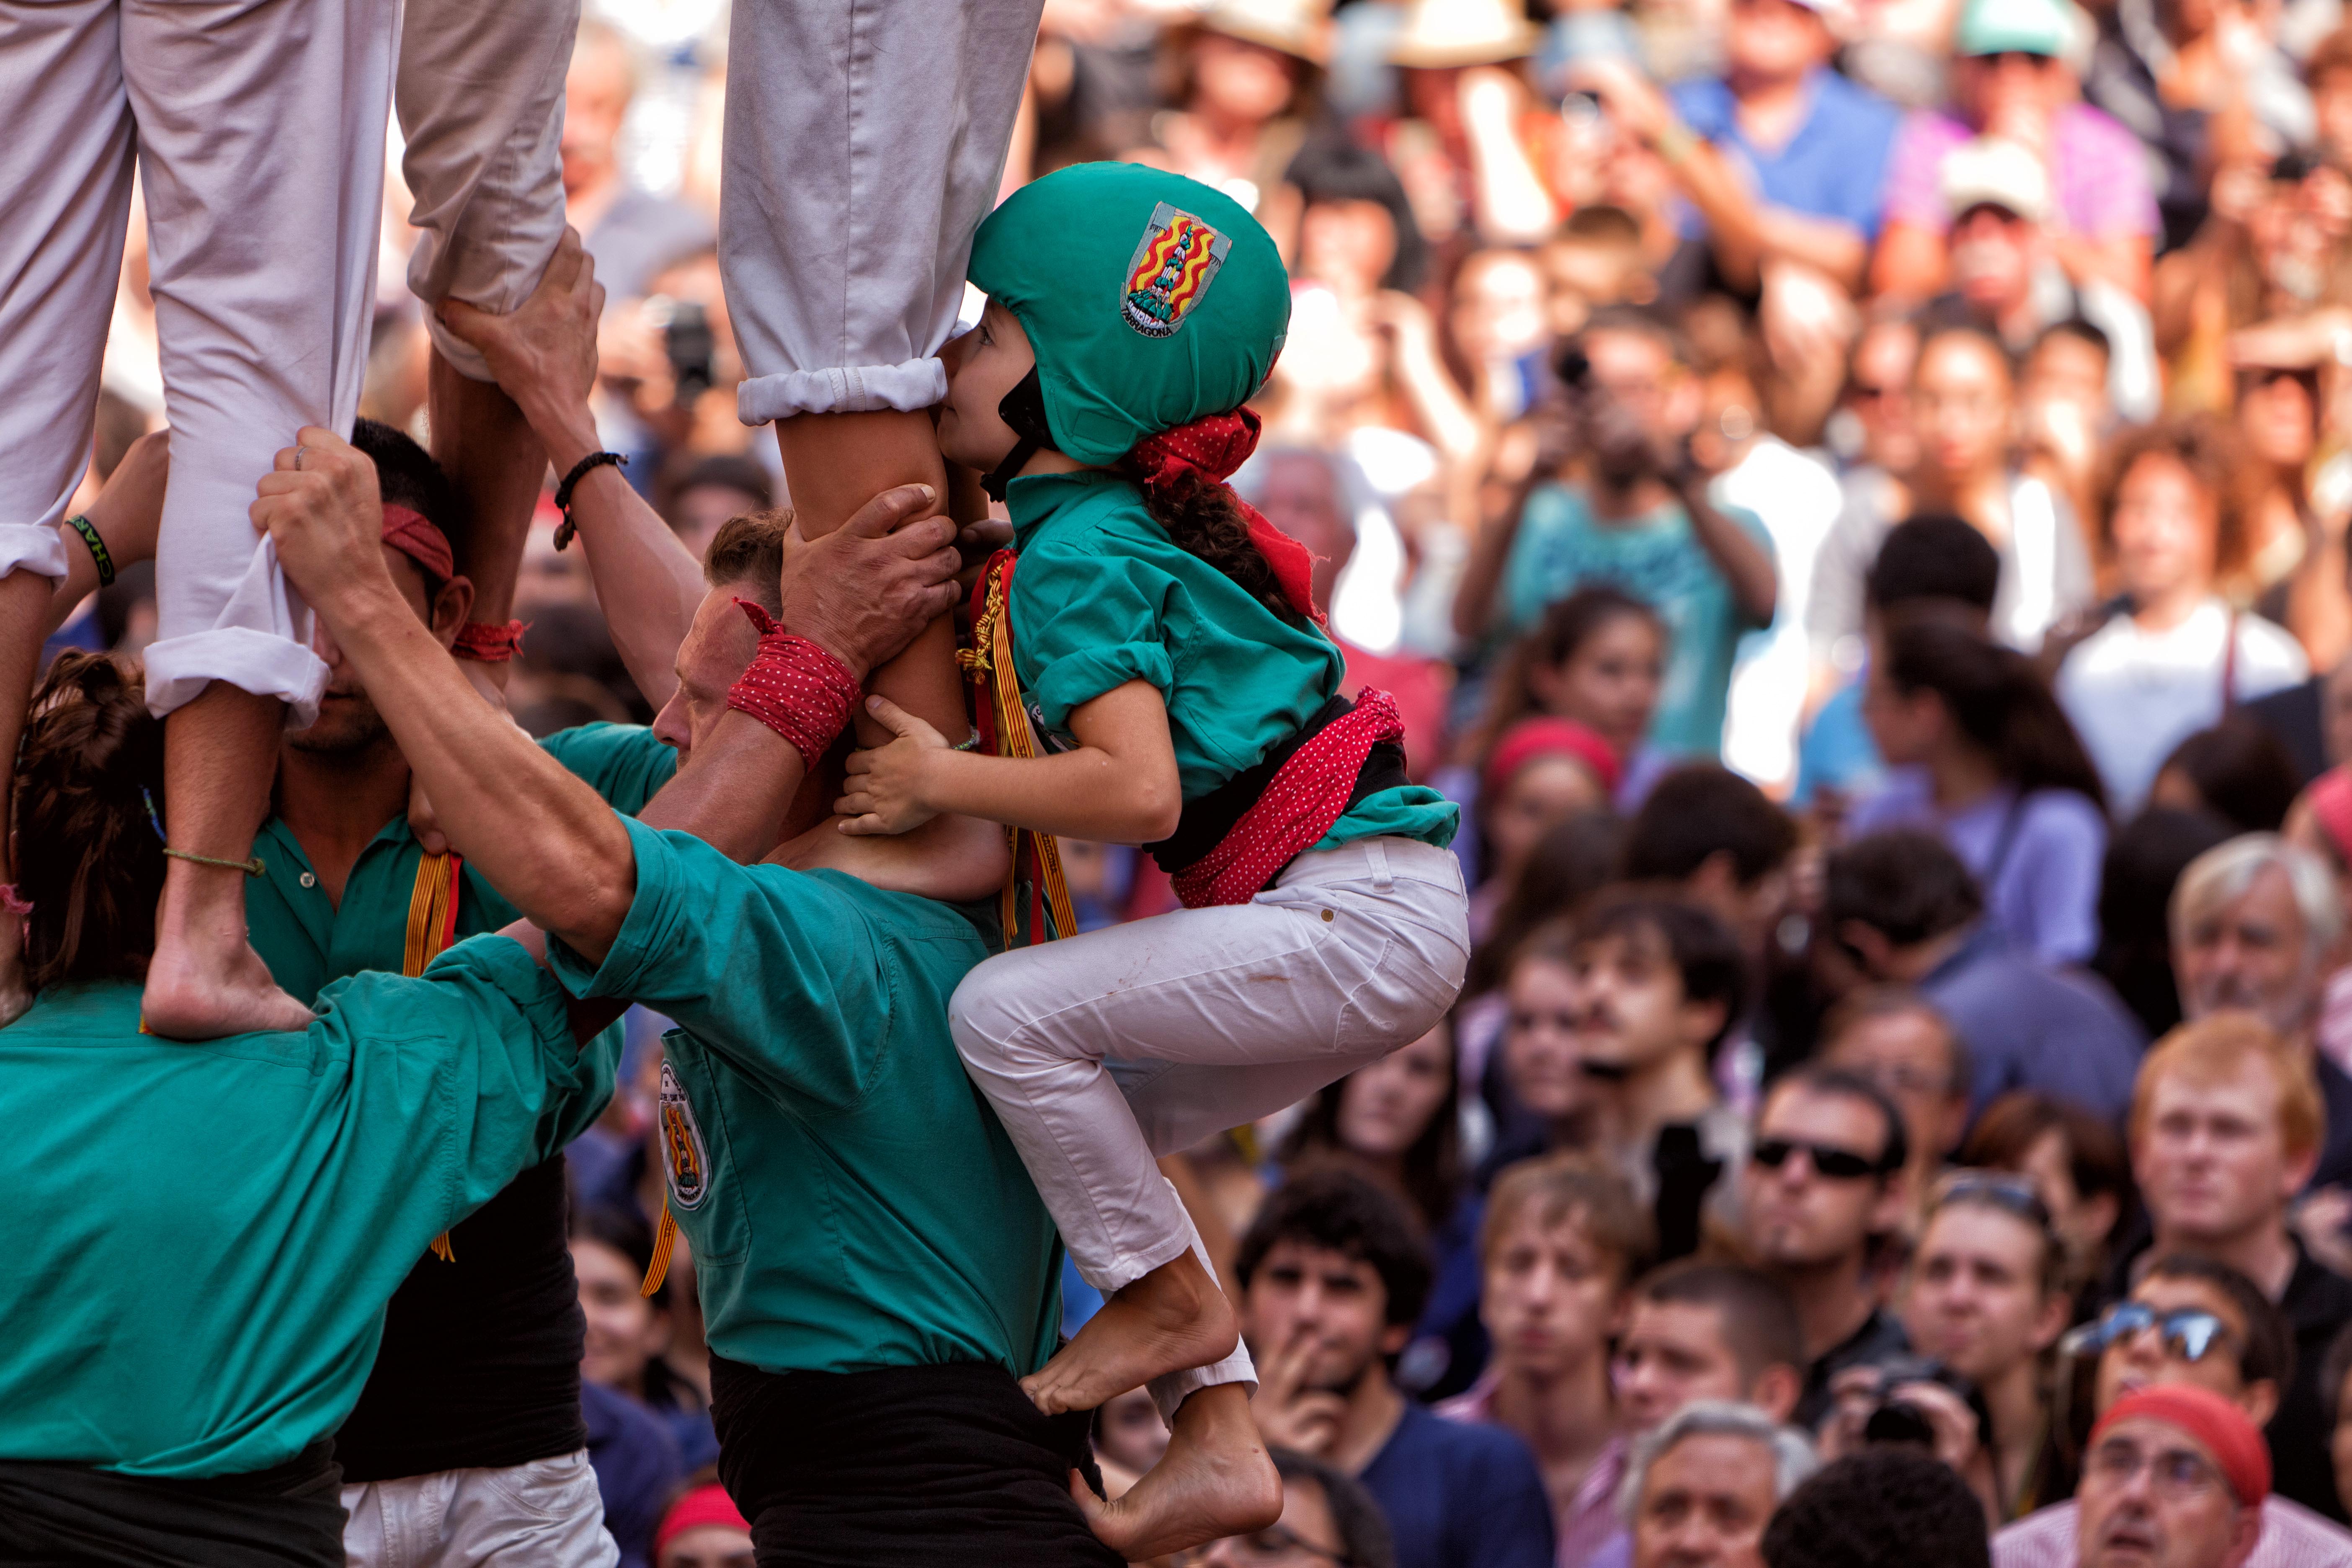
pixel 1150 299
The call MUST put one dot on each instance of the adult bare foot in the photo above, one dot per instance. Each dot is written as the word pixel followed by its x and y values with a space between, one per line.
pixel 1215 1480
pixel 1172 1318
pixel 206 981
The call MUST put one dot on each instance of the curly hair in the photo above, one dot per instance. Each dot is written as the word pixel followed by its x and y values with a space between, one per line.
pixel 2215 459
pixel 85 854
pixel 1205 517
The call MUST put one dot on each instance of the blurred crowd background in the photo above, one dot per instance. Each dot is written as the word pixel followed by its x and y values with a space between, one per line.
pixel 1851 496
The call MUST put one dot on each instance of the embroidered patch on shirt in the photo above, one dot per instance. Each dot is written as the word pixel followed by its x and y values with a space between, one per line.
pixel 1174 263
pixel 683 1152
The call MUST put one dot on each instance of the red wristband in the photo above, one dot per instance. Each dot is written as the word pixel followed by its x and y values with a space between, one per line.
pixel 487 642
pixel 794 688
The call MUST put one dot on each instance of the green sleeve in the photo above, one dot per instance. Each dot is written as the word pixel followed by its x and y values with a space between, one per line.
pixel 1084 622
pixel 774 970
pixel 474 1059
pixel 622 762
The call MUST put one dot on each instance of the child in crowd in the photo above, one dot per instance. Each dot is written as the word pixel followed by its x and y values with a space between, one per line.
pixel 1540 773
pixel 1598 656
pixel 1184 696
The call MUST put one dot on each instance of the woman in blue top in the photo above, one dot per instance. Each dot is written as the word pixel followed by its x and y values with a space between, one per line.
pixel 1981 753
pixel 1184 696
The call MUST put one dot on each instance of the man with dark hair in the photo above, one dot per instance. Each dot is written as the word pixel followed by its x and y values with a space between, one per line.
pixel 1708 1331
pixel 1823 1186
pixel 2191 1321
pixel 1332 1278
pixel 1722 841
pixel 1659 986
pixel 1879 1507
pixel 1904 910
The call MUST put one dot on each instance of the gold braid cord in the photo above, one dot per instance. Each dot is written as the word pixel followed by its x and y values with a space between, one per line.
pixel 432 922
pixel 988 663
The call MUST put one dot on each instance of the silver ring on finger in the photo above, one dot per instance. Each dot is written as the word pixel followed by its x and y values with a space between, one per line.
pixel 297 458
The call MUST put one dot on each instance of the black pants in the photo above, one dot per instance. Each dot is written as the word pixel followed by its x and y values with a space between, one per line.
pixel 71 1516
pixel 929 1467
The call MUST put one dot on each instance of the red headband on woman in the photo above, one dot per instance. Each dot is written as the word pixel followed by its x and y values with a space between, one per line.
pixel 1212 446
pixel 1542 736
pixel 703 1505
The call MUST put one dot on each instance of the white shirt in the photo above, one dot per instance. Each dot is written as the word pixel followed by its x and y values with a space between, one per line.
pixel 2134 694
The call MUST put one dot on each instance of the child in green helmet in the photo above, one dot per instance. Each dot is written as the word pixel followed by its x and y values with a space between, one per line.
pixel 1184 696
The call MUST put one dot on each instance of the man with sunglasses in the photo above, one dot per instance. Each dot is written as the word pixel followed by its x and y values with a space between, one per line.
pixel 1823 1185
pixel 2189 1323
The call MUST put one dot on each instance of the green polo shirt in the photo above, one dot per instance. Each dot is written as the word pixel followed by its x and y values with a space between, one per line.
pixel 308 941
pixel 201 1239
pixel 851 1201
pixel 1103 596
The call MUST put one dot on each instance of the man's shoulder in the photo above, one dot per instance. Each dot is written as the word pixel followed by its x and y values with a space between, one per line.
pixel 2295 1537
pixel 1491 1451
pixel 2044 1539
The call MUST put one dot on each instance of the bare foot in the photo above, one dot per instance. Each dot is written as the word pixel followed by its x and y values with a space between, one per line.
pixel 1215 1480
pixel 1172 1318
pixel 202 992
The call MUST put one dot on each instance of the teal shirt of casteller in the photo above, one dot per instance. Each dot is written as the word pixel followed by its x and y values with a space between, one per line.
pixel 1103 596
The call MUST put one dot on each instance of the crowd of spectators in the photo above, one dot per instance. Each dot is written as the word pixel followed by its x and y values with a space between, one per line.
pixel 1851 496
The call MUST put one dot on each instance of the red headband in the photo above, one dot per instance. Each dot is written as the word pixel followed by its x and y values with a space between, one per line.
pixel 703 1505
pixel 2225 1431
pixel 412 534
pixel 2331 807
pixel 1528 738
pixel 1212 448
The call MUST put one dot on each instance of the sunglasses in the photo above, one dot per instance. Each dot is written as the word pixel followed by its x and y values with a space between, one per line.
pixel 2188 1333
pixel 1829 1161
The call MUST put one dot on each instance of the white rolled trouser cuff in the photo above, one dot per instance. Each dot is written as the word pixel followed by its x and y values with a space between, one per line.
pixel 28 547
pixel 481 97
pixel 863 389
pixel 1171 1389
pixel 865 141
pixel 259 644
pixel 1218 1016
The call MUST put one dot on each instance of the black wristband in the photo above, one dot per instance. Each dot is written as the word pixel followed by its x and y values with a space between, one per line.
pixel 580 470
pixel 98 552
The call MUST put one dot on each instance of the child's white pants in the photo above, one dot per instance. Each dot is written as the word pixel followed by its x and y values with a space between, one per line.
pixel 259 134
pixel 865 141
pixel 1210 1018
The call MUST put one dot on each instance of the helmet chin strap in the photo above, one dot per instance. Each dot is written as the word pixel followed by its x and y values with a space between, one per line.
pixel 1023 408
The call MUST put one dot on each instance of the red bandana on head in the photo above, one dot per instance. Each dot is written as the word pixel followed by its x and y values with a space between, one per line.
pixel 413 535
pixel 1213 447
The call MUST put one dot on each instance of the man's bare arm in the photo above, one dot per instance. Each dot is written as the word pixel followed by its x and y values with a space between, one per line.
pixel 544 356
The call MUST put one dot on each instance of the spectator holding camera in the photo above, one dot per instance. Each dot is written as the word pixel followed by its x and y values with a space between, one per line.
pixel 1985 1296
pixel 1636 516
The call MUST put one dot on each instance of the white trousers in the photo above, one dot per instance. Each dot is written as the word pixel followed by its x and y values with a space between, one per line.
pixel 863 143
pixel 1210 1018
pixel 258 131
pixel 545 1514
pixel 480 96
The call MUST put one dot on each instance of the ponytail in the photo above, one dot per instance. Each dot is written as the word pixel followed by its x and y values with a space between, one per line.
pixel 1205 519
pixel 1997 699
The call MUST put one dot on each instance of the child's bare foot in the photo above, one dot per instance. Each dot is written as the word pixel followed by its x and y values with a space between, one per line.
pixel 1172 1318
pixel 1215 1480
pixel 206 981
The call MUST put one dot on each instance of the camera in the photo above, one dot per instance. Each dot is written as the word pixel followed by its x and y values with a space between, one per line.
pixel 688 341
pixel 1894 1420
